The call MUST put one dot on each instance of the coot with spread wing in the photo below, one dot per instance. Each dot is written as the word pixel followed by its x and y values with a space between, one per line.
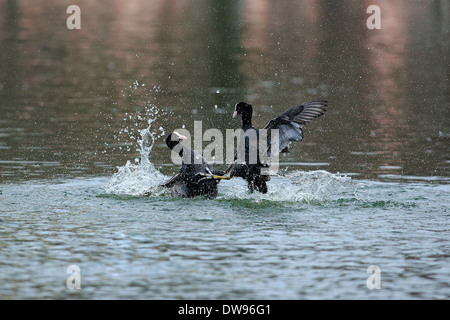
pixel 289 125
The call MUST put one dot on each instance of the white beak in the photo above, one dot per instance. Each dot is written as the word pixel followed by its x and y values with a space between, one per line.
pixel 181 137
pixel 234 114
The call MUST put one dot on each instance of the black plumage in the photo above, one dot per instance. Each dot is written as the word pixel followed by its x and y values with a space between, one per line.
pixel 289 125
pixel 195 177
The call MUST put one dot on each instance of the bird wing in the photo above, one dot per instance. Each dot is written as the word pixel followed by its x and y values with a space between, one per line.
pixel 290 123
pixel 174 180
pixel 179 177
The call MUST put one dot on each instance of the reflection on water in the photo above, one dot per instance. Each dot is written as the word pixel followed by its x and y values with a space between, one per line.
pixel 64 93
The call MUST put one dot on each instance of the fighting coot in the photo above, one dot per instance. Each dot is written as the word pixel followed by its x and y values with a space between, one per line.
pixel 289 125
pixel 195 177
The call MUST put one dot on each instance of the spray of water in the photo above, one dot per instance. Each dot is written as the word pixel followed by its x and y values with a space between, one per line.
pixel 140 177
pixel 295 186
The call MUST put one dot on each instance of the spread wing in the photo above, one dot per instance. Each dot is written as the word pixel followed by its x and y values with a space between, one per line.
pixel 290 123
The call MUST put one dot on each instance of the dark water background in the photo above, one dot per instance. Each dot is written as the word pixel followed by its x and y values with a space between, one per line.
pixel 64 93
pixel 367 186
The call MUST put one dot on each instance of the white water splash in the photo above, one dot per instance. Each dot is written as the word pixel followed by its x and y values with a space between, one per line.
pixel 322 185
pixel 295 186
pixel 140 177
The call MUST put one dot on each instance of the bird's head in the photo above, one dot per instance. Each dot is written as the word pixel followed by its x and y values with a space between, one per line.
pixel 174 139
pixel 244 109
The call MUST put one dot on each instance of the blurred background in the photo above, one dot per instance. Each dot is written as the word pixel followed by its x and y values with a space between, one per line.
pixel 72 101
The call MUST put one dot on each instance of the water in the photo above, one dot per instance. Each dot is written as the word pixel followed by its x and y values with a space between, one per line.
pixel 304 246
pixel 84 114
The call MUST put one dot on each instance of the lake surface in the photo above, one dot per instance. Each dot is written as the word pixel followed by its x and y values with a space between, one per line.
pixel 368 185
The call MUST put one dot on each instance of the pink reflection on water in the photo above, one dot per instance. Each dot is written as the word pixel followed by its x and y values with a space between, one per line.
pixel 388 55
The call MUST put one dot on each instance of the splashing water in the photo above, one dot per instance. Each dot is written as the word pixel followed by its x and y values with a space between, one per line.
pixel 295 186
pixel 321 185
pixel 140 177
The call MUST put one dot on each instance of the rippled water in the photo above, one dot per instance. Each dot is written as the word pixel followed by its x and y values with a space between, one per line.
pixel 316 244
pixel 84 114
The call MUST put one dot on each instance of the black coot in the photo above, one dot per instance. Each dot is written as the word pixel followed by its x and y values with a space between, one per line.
pixel 195 177
pixel 289 124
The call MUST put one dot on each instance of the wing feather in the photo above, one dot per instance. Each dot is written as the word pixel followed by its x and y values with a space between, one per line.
pixel 290 123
